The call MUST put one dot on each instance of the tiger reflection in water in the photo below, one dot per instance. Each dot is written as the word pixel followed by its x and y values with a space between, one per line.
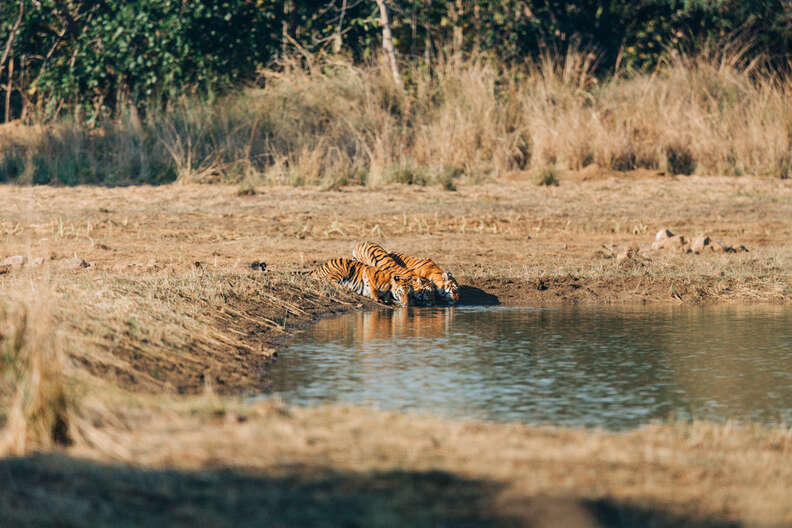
pixel 386 324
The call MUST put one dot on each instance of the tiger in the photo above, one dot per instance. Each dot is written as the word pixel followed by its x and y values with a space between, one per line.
pixel 445 284
pixel 368 280
pixel 375 255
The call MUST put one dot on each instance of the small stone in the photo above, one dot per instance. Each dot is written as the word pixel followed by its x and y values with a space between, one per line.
pixel 700 243
pixel 717 247
pixel 674 242
pixel 72 263
pixel 663 234
pixel 259 265
pixel 17 261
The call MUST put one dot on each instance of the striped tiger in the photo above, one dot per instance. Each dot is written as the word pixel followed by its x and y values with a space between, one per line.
pixel 368 280
pixel 445 284
pixel 375 255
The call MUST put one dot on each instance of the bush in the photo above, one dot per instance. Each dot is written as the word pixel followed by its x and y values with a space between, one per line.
pixel 546 176
pixel 679 159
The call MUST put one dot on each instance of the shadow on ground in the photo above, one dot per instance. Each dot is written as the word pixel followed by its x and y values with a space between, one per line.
pixel 470 295
pixel 53 489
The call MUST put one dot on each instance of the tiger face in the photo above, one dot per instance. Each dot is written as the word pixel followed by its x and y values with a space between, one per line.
pixel 424 291
pixel 448 289
pixel 401 288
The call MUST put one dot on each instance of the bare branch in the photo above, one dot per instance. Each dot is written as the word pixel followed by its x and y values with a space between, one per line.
pixel 12 35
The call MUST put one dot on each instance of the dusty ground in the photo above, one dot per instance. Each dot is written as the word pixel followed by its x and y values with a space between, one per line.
pixel 522 243
pixel 169 304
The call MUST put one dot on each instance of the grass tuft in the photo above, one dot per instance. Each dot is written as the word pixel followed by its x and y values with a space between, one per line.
pixel 680 160
pixel 547 176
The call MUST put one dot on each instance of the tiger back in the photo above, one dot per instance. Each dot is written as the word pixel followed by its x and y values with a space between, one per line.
pixel 375 255
pixel 445 284
pixel 367 280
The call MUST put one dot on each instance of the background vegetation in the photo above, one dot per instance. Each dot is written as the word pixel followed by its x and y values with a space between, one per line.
pixel 289 91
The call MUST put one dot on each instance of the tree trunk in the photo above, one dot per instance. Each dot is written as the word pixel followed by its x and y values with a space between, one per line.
pixel 338 39
pixel 387 43
pixel 9 87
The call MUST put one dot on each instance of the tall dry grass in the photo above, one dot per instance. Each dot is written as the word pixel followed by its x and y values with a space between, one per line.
pixel 34 400
pixel 333 123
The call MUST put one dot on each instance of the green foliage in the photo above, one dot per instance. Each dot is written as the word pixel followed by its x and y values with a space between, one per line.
pixel 96 57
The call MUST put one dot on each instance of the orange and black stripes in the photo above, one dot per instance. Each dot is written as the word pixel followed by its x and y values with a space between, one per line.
pixel 375 255
pixel 367 280
pixel 445 284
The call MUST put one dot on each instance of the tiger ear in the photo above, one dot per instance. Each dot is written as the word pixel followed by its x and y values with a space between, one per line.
pixel 445 275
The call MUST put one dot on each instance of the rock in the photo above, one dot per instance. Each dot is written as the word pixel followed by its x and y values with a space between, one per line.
pixel 259 265
pixel 700 243
pixel 663 234
pixel 74 262
pixel 717 247
pixel 677 242
pixel 17 261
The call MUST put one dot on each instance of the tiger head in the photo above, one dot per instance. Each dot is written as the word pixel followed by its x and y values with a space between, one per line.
pixel 448 288
pixel 424 291
pixel 402 290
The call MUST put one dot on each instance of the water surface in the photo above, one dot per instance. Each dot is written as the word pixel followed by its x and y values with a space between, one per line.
pixel 611 367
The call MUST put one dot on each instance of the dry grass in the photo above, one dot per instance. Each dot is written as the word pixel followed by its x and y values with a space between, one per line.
pixel 334 124
pixel 417 469
pixel 35 404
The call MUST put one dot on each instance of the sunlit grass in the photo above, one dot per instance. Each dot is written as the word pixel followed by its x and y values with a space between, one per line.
pixel 334 124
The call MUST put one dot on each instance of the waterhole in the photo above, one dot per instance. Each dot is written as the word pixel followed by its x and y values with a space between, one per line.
pixel 615 368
